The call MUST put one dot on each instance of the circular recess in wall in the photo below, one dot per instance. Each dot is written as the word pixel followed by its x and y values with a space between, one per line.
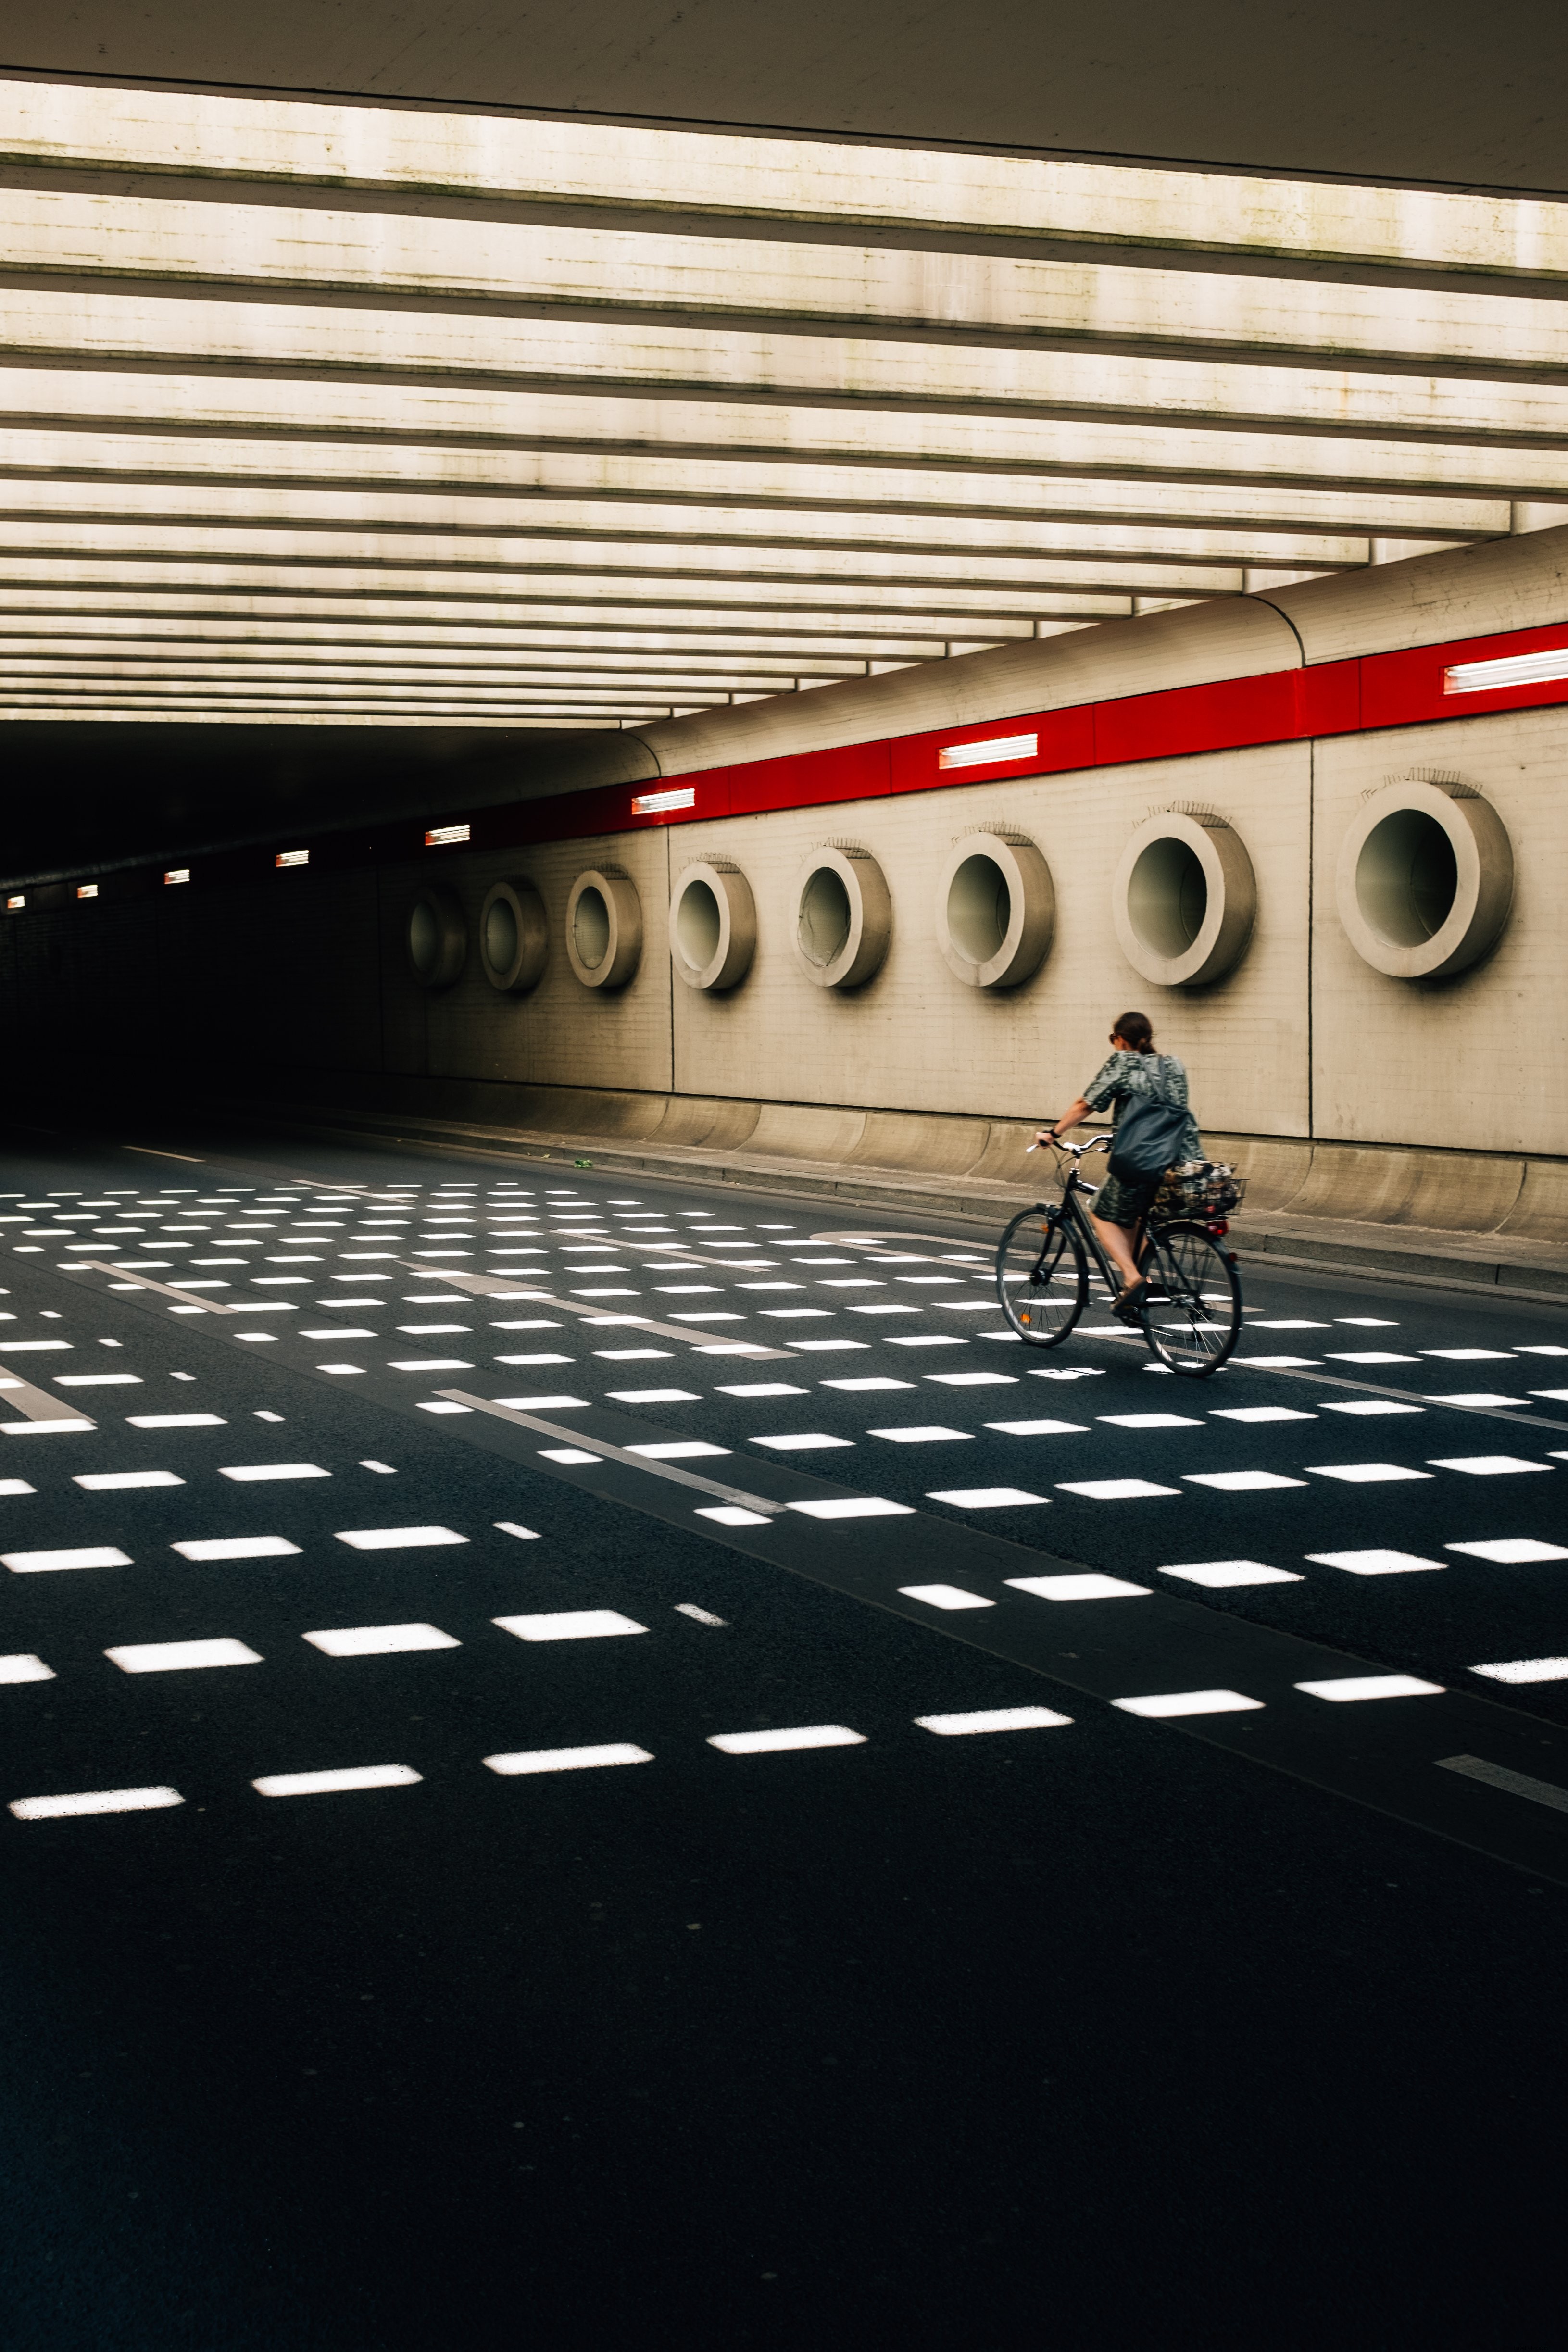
pixel 604 928
pixel 1425 878
pixel 514 940
pixel 712 926
pixel 1183 898
pixel 437 937
pixel 995 910
pixel 843 916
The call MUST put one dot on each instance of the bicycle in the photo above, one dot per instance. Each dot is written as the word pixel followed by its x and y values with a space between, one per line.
pixel 1191 1316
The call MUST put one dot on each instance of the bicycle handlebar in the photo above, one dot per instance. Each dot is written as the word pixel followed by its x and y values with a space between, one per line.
pixel 1076 1150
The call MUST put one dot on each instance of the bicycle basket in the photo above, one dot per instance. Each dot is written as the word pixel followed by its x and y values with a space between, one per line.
pixel 1200 1187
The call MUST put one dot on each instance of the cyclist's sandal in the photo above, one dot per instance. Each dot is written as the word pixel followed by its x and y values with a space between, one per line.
pixel 1130 1306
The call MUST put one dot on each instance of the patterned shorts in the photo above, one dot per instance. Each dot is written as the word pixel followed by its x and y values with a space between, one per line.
pixel 1122 1201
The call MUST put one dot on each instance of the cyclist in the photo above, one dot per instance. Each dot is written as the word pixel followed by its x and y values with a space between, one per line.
pixel 1134 1068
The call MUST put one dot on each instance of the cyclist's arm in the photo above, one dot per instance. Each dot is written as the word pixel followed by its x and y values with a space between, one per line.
pixel 1069 1119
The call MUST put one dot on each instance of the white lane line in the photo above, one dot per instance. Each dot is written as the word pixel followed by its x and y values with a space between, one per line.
pixel 599 1449
pixel 567 1759
pixel 177 1657
pixel 176 1421
pixel 511 1528
pixel 1516 1784
pixel 24 1667
pixel 94 1801
pixel 40 1563
pixel 43 1412
pixel 379 1640
pixel 323 1784
pixel 143 1282
pixel 484 1286
pixel 569 1625
pixel 993 1718
pixel 105 1482
pixel 771 1743
pixel 699 1616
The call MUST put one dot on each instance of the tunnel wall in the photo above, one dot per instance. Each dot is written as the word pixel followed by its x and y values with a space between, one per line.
pixel 299 982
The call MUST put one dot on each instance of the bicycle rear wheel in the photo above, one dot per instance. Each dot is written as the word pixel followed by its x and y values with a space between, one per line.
pixel 1192 1318
pixel 1042 1277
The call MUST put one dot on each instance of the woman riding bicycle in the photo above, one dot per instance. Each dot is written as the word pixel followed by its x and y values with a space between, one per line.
pixel 1133 1069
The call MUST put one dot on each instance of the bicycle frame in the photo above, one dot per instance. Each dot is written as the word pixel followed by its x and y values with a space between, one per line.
pixel 1072 1210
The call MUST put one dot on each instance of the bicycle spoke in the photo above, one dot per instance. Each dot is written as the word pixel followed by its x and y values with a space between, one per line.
pixel 1193 1317
pixel 1041 1278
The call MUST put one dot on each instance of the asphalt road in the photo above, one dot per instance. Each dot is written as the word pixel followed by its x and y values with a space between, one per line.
pixel 677 1961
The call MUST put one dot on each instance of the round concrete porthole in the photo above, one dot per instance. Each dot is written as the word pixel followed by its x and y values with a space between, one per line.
pixel 712 926
pixel 513 938
pixel 1183 900
pixel 437 937
pixel 995 910
pixel 1426 879
pixel 843 916
pixel 604 928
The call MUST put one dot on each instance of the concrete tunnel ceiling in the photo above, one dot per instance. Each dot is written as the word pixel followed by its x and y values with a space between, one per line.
pixel 320 414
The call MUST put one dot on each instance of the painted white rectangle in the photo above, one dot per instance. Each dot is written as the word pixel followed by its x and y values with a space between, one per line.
pixel 921 1434
pixel 104 1481
pixel 323 1784
pixel 40 1563
pixel 663 1396
pixel 178 1657
pixel 568 1454
pixel 1040 1428
pixel 945 1596
pixel 1238 1482
pixel 1368 1356
pixel 993 1718
pixel 1511 1552
pixel 176 1421
pixel 568 1760
pixel 1366 1474
pixel 990 754
pixel 679 1449
pixel 544 1403
pixel 1086 1584
pixel 98 1379
pixel 1161 1704
pixel 1217 1574
pixel 17 1486
pixel 1371 1409
pixel 429 1364
pixel 569 1625
pixel 398 1539
pixel 236 1547
pixel 1488 1466
pixel 1150 1419
pixel 94 1801
pixel 511 1528
pixel 983 1498
pixel 248 1472
pixel 1250 1413
pixel 805 1441
pixel 730 1515
pixel 1526 1670
pixel 1343 1687
pixel 772 1743
pixel 1114 1490
pixel 379 1640
pixel 1375 1562
pixel 25 1667
pixel 855 1507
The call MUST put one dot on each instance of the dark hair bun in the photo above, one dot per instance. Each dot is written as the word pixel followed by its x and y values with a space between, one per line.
pixel 1137 1031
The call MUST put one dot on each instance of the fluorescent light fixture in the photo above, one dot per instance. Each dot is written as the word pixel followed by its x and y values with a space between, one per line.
pixel 992 752
pixel 1512 669
pixel 173 1657
pixel 568 1760
pixel 86 889
pixel 323 1784
pixel 656 804
pixel 177 874
pixel 20 899
pixel 293 857
pixel 993 1718
pixel 442 836
pixel 94 1801
pixel 771 1743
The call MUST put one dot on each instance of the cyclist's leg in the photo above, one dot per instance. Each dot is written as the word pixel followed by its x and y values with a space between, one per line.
pixel 1119 1245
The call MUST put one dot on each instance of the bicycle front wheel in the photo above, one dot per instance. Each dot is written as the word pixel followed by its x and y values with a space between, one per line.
pixel 1042 1277
pixel 1192 1318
